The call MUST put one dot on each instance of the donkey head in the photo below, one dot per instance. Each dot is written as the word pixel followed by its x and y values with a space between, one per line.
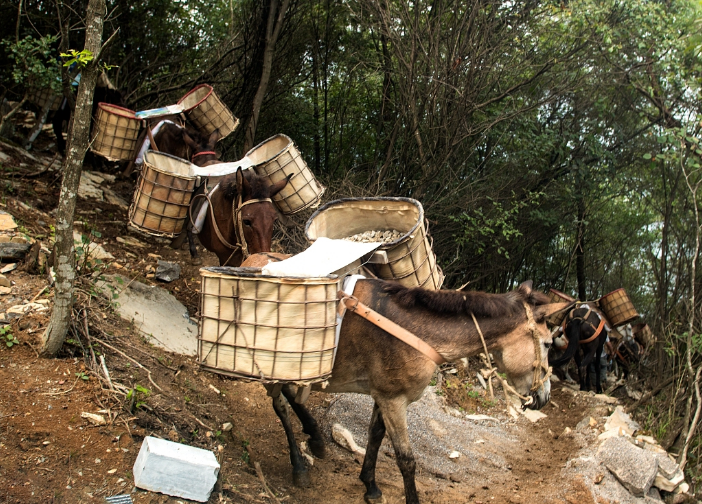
pixel 258 217
pixel 203 153
pixel 524 352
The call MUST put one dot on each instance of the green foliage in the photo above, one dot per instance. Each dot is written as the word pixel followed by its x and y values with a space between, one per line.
pixel 33 65
pixel 7 336
pixel 138 396
pixel 82 376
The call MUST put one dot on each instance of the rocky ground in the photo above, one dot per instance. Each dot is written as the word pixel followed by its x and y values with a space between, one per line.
pixel 68 435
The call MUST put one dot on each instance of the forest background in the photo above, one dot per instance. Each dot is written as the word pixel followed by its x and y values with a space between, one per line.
pixel 552 141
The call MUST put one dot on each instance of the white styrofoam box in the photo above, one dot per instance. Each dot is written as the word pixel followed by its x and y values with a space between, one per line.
pixel 175 469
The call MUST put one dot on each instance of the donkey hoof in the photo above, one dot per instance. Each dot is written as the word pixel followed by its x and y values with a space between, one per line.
pixel 377 499
pixel 317 448
pixel 301 479
pixel 196 261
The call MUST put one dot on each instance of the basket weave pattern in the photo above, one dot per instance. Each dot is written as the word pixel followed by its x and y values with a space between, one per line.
pixel 265 328
pixel 40 97
pixel 161 201
pixel 303 190
pixel 204 108
pixel 556 296
pixel 617 307
pixel 115 133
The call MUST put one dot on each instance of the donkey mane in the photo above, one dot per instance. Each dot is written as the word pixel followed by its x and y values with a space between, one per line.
pixel 259 186
pixel 481 304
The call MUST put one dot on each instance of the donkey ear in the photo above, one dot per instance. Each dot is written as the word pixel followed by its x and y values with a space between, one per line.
pixel 278 186
pixel 525 288
pixel 214 138
pixel 189 141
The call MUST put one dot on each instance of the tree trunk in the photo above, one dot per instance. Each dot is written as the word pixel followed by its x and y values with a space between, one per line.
pixel 64 252
pixel 273 27
pixel 580 252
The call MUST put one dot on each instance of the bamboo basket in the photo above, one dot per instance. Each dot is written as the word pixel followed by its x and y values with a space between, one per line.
pixel 204 108
pixel 267 328
pixel 617 307
pixel 162 195
pixel 643 334
pixel 40 97
pixel 556 296
pixel 411 260
pixel 277 158
pixel 115 132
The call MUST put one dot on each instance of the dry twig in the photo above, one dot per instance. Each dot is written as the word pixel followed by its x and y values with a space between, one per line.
pixel 259 472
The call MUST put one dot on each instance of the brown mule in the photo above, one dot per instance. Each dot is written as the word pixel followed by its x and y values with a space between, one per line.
pixel 240 217
pixel 371 361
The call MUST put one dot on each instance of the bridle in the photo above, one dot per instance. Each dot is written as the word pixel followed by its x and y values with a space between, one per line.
pixel 237 206
pixel 537 380
pixel 203 153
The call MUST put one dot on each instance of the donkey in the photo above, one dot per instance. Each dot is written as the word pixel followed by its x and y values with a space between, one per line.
pixel 105 91
pixel 395 374
pixel 585 334
pixel 187 143
pixel 240 217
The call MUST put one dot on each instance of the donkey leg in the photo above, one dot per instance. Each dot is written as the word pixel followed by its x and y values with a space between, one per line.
pixel 301 477
pixel 395 419
pixel 598 369
pixel 376 433
pixel 191 245
pixel 309 424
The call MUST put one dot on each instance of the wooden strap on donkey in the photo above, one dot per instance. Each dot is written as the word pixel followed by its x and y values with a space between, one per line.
pixel 353 304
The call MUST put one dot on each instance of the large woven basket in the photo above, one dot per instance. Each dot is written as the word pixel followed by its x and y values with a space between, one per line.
pixel 40 97
pixel 204 108
pixel 617 307
pixel 411 260
pixel 115 132
pixel 277 158
pixel 643 334
pixel 556 296
pixel 267 328
pixel 162 195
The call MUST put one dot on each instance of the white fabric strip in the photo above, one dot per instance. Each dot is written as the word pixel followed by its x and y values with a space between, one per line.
pixel 147 143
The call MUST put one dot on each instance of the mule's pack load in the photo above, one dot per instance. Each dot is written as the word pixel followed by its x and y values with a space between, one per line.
pixel 207 112
pixel 162 195
pixel 617 307
pixel 556 296
pixel 278 157
pixel 115 132
pixel 40 98
pixel 410 258
pixel 643 334
pixel 267 328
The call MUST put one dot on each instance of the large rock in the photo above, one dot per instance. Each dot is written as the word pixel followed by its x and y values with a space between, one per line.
pixel 635 468
pixel 160 317
pixel 621 419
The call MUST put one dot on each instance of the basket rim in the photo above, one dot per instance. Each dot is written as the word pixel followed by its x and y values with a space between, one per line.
pixel 290 142
pixel 615 290
pixel 211 89
pixel 255 273
pixel 384 246
pixel 107 107
pixel 154 167
pixel 563 295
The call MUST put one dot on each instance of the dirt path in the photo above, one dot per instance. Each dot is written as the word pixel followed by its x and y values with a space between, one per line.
pixel 50 453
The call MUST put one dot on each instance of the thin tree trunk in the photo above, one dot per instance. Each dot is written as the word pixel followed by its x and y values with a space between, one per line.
pixel 64 252
pixel 275 23
pixel 580 252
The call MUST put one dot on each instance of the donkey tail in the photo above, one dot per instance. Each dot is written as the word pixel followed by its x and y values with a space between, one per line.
pixel 573 335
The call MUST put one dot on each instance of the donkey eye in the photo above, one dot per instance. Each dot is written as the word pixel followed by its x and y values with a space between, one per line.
pixel 247 222
pixel 547 345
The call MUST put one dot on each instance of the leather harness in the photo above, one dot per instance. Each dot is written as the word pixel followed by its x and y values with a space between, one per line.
pixel 584 319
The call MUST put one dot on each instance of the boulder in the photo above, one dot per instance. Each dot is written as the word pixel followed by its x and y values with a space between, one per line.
pixel 634 468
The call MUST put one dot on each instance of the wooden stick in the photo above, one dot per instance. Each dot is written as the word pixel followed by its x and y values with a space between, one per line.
pixel 259 472
pixel 107 373
pixel 102 342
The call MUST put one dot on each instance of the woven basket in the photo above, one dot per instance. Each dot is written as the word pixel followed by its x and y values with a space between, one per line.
pixel 115 132
pixel 40 97
pixel 556 296
pixel 278 157
pixel 617 307
pixel 411 260
pixel 162 195
pixel 643 334
pixel 204 108
pixel 267 328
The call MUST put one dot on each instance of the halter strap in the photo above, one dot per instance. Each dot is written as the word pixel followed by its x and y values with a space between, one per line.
pixel 203 153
